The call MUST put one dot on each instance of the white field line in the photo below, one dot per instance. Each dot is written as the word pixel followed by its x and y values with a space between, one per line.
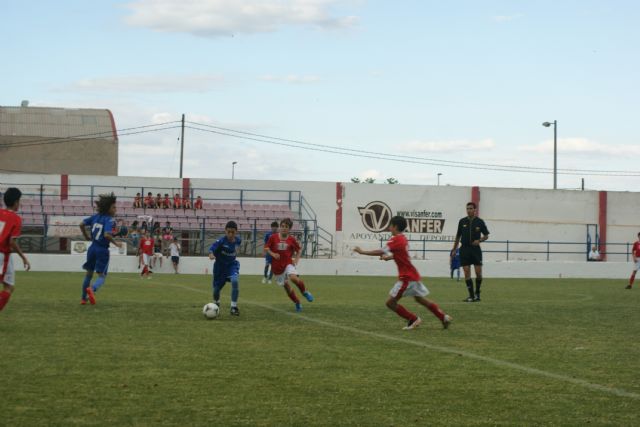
pixel 497 362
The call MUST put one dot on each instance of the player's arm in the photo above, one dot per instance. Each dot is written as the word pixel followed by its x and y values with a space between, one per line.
pixel 274 255
pixel 109 237
pixel 84 231
pixel 212 251
pixel 373 252
pixel 15 247
pixel 457 240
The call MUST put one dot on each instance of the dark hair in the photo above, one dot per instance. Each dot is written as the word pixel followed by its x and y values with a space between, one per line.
pixel 231 224
pixel 11 196
pixel 287 221
pixel 472 204
pixel 275 224
pixel 105 202
pixel 399 222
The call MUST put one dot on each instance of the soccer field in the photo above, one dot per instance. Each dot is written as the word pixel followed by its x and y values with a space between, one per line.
pixel 533 352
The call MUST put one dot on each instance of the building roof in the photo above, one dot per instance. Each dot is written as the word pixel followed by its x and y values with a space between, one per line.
pixel 82 123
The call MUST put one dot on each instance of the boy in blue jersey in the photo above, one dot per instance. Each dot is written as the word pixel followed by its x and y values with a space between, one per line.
pixel 267 257
pixel 98 229
pixel 454 263
pixel 226 267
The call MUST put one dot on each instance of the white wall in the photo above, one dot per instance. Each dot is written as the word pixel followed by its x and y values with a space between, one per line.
pixel 347 267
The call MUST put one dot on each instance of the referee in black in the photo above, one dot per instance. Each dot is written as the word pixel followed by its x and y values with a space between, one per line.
pixel 471 232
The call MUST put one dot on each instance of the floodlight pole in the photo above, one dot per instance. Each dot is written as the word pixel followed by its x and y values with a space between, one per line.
pixel 181 146
pixel 555 151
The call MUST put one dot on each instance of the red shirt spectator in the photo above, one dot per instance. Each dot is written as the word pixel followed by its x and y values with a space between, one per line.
pixel 159 201
pixel 137 201
pixel 177 201
pixel 167 202
pixel 198 204
pixel 186 202
pixel 148 201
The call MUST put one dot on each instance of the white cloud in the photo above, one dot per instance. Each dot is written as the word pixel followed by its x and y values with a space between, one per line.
pixel 507 18
pixel 583 146
pixel 446 146
pixel 177 83
pixel 216 18
pixel 293 79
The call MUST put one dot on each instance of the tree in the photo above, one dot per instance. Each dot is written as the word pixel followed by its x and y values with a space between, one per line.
pixel 355 180
pixel 392 181
pixel 370 180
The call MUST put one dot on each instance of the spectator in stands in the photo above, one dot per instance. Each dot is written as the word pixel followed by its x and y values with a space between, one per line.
pixel 134 234
pixel 159 201
pixel 149 203
pixel 177 201
pixel 594 255
pixel 156 231
pixel 174 249
pixel 121 229
pixel 143 227
pixel 167 237
pixel 198 204
pixel 166 203
pixel 137 201
pixel 186 202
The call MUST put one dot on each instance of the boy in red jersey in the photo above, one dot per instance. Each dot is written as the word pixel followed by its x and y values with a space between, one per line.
pixel 149 201
pixel 166 203
pixel 186 202
pixel 635 252
pixel 408 283
pixel 137 201
pixel 198 203
pixel 10 225
pixel 177 201
pixel 146 248
pixel 282 248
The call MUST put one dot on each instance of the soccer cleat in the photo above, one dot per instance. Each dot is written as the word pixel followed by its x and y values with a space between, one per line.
pixel 468 299
pixel 298 307
pixel 92 297
pixel 264 280
pixel 477 298
pixel 308 296
pixel 446 321
pixel 413 324
pixel 235 311
pixel 83 302
pixel 628 287
pixel 269 281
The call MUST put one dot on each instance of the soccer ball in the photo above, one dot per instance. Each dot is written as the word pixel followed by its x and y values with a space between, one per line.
pixel 210 310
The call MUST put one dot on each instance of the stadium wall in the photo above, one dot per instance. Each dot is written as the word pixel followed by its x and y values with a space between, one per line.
pixel 356 214
pixel 347 267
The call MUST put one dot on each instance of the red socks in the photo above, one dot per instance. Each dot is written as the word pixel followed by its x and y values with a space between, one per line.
pixel 632 278
pixel 293 296
pixel 4 298
pixel 433 307
pixel 144 270
pixel 300 285
pixel 403 312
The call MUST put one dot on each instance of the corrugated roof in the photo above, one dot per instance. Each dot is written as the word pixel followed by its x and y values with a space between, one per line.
pixel 57 122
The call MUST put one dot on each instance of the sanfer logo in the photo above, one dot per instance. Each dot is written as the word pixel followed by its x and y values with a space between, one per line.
pixel 375 216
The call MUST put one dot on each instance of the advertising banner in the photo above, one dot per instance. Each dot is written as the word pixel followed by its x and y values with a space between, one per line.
pixel 80 247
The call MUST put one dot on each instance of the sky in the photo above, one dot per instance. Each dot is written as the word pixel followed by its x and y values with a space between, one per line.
pixel 425 92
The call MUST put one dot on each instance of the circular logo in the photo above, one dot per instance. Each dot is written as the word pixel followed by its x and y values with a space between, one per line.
pixel 375 216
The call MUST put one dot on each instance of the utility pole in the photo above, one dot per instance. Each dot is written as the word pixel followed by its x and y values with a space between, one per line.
pixel 181 146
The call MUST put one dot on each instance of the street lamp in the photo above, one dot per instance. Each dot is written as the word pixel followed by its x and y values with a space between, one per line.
pixel 439 177
pixel 233 169
pixel 555 151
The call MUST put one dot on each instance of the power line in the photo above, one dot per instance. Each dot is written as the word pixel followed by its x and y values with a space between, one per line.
pixel 407 159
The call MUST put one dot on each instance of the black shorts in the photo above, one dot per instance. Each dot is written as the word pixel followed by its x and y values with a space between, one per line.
pixel 470 255
pixel 175 259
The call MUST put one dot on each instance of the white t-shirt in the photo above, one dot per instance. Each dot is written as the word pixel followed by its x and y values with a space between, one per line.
pixel 175 249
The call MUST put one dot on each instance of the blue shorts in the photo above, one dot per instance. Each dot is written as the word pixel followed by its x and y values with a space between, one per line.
pixel 224 272
pixel 97 259
pixel 267 259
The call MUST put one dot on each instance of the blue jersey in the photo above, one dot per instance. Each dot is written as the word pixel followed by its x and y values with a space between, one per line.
pixel 224 250
pixel 455 261
pixel 100 224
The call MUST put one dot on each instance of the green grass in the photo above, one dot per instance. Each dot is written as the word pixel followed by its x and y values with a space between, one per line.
pixel 145 355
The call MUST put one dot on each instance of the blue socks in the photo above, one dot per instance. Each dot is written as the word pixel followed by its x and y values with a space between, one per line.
pixel 85 284
pixel 98 283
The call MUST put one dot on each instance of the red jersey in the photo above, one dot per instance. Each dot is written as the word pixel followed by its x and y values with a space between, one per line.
pixel 146 245
pixel 636 249
pixel 10 225
pixel 167 202
pixel 177 202
pixel 285 247
pixel 198 204
pixel 148 201
pixel 399 247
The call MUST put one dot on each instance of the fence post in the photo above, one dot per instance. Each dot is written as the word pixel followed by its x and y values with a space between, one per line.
pixel 241 197
pixel 424 248
pixel 627 251
pixel 547 250
pixel 507 250
pixel 255 237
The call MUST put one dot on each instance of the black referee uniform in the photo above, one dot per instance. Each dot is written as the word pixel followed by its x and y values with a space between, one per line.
pixel 470 230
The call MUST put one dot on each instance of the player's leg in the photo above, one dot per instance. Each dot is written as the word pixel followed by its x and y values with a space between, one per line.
pixel 300 284
pixel 102 267
pixel 466 261
pixel 235 288
pixel 266 271
pixel 458 274
pixel 89 266
pixel 413 321
pixel 270 273
pixel 281 280
pixel 7 278
pixel 435 309
pixel 85 284
pixel 633 275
